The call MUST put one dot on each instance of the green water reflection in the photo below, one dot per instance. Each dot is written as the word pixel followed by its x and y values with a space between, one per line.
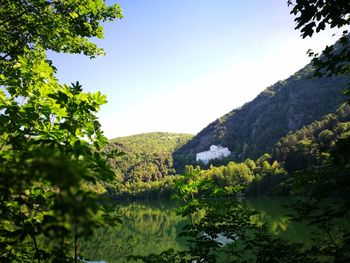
pixel 153 226
pixel 148 227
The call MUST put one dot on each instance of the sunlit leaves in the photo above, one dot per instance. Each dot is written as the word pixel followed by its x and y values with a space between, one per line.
pixel 57 25
pixel 50 137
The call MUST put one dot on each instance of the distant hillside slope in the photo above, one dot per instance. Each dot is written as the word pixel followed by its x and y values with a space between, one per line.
pixel 148 156
pixel 312 144
pixel 254 128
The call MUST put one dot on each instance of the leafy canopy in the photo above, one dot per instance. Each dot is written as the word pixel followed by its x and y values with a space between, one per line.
pixel 50 137
pixel 313 16
pixel 58 25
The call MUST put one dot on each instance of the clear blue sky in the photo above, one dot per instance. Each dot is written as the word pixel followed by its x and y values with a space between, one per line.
pixel 177 65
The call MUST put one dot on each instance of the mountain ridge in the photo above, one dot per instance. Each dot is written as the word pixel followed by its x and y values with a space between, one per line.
pixel 253 129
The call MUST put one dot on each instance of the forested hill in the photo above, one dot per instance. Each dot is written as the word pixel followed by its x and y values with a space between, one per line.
pixel 254 128
pixel 148 156
pixel 312 144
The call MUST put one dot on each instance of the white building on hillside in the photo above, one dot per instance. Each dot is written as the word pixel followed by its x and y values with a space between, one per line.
pixel 215 152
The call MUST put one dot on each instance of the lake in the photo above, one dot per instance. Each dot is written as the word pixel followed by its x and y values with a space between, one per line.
pixel 153 226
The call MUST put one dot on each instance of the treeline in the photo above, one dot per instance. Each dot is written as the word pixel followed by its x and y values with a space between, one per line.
pixel 162 188
pixel 311 147
pixel 247 173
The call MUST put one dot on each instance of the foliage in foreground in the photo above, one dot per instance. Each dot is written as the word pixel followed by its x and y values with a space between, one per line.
pixel 50 137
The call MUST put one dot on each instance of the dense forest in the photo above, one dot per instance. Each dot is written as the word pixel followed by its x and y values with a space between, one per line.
pixel 312 145
pixel 147 157
pixel 143 166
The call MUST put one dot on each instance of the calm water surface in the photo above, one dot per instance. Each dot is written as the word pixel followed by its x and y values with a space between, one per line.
pixel 153 226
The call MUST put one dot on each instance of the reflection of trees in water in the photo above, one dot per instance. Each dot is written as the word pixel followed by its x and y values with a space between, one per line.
pixel 153 227
pixel 147 228
pixel 276 225
pixel 274 212
pixel 108 244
